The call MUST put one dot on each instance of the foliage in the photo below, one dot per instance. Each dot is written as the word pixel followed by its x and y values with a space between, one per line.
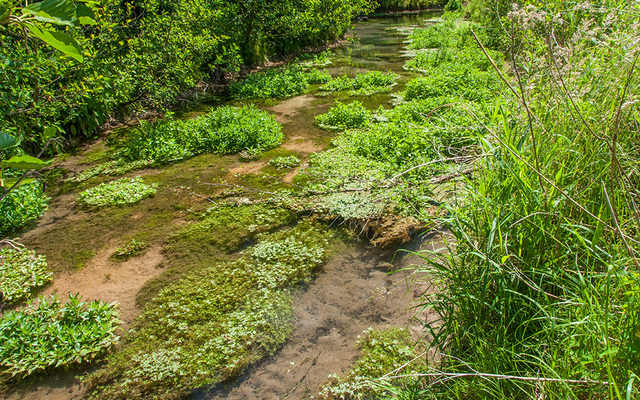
pixel 116 193
pixel 131 249
pixel 274 83
pixel 381 352
pixel 214 321
pixel 22 206
pixel 224 130
pixel 362 84
pixel 49 334
pixel 287 162
pixel 316 76
pixel 145 54
pixel 22 272
pixel 343 116
pixel 315 60
pixel 451 79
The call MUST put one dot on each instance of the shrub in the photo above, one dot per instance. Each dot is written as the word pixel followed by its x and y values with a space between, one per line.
pixel 116 193
pixel 50 334
pixel 223 130
pixel 285 162
pixel 23 205
pixel 22 272
pixel 343 116
pixel 362 84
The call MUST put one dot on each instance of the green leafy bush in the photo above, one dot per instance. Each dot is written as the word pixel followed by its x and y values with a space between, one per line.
pixel 22 272
pixel 223 130
pixel 22 205
pixel 116 193
pixel 48 334
pixel 285 162
pixel 362 84
pixel 314 60
pixel 131 249
pixel 344 116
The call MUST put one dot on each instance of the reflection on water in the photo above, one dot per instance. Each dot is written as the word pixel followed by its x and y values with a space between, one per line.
pixel 381 40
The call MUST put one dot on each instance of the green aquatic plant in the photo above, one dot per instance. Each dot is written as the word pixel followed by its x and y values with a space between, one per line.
pixel 344 116
pixel 49 334
pixel 362 84
pixel 381 352
pixel 111 168
pixel 22 272
pixel 121 192
pixel 450 79
pixel 223 130
pixel 316 76
pixel 276 83
pixel 215 320
pixel 131 249
pixel 287 162
pixel 23 205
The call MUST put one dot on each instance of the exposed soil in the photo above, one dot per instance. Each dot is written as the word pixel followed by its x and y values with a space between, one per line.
pixel 354 292
pixel 111 281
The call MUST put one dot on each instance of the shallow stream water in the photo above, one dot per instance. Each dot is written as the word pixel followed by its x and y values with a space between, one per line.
pixel 352 293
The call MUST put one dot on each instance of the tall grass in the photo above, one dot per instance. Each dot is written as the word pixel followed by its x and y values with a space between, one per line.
pixel 539 297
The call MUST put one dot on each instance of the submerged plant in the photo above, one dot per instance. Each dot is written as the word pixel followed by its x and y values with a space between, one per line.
pixel 22 272
pixel 121 192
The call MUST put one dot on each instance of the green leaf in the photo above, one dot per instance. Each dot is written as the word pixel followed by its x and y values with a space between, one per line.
pixel 8 182
pixel 24 162
pixel 85 14
pixel 7 141
pixel 58 40
pixel 49 132
pixel 60 12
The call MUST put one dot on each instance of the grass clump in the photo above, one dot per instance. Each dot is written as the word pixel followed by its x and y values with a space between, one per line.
pixel 381 352
pixel 131 249
pixel 223 130
pixel 121 192
pixel 362 84
pixel 22 206
pixel 22 272
pixel 287 162
pixel 343 116
pixel 214 321
pixel 49 334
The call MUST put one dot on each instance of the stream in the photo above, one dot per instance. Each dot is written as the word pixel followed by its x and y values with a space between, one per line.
pixel 353 292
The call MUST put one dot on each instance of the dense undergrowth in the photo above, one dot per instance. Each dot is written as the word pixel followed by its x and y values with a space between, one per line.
pixel 21 207
pixel 210 321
